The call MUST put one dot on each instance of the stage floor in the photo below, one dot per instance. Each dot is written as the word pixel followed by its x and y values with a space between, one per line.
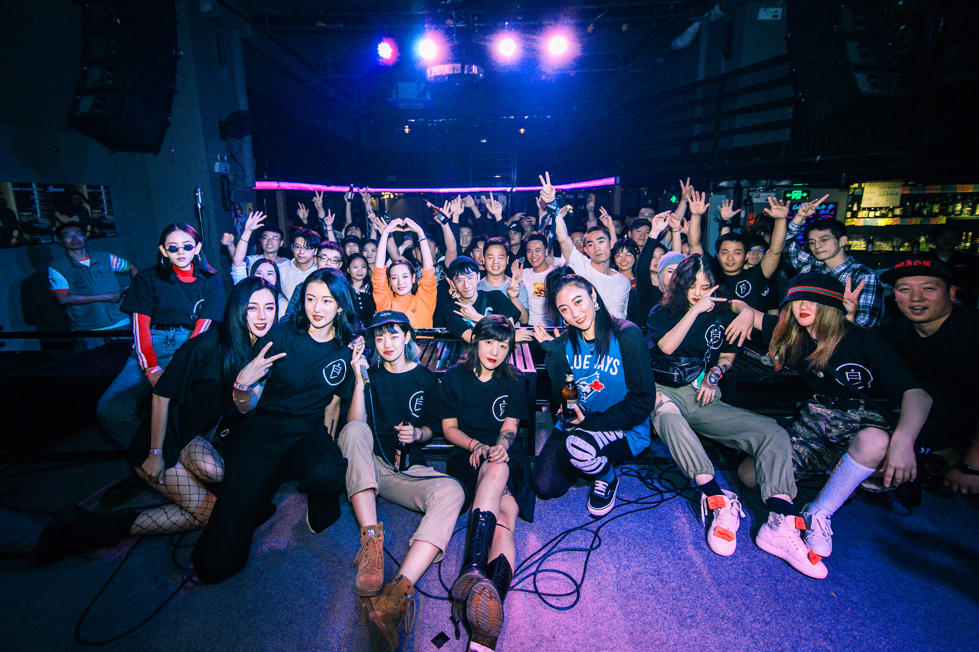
pixel 896 580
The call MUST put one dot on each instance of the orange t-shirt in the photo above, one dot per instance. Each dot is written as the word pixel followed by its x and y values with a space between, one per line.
pixel 419 307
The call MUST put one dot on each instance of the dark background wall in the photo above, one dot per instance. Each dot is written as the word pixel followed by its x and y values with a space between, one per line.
pixel 41 54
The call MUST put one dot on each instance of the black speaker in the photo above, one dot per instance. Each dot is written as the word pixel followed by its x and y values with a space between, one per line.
pixel 845 68
pixel 128 74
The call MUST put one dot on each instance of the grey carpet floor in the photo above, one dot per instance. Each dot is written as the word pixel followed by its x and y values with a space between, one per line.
pixel 897 580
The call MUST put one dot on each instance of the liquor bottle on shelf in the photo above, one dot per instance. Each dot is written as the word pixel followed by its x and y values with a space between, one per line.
pixel 870 244
pixel 957 206
pixel 915 246
pixel 922 243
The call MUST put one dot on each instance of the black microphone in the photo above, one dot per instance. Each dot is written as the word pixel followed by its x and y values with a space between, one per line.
pixel 365 376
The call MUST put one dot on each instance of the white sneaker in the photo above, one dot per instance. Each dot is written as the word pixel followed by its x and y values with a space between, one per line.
pixel 780 537
pixel 726 514
pixel 819 534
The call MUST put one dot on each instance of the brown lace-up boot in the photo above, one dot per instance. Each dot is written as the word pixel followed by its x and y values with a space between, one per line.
pixel 388 611
pixel 370 561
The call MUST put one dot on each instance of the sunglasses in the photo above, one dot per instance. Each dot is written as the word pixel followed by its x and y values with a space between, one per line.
pixel 175 248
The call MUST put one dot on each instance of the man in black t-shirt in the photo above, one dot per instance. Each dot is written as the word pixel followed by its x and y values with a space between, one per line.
pixel 459 315
pixel 938 340
pixel 750 285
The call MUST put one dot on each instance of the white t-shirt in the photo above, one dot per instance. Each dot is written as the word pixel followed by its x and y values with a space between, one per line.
pixel 290 276
pixel 535 286
pixel 613 288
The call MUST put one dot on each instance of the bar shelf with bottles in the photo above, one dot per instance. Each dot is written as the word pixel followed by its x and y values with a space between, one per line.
pixel 906 227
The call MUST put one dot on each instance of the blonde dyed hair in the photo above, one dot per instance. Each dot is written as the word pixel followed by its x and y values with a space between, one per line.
pixel 789 339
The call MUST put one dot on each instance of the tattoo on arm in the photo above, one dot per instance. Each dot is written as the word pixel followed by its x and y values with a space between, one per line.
pixel 507 437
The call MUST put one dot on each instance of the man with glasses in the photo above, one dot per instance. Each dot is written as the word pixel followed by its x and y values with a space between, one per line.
pixel 467 304
pixel 304 246
pixel 826 240
pixel 270 241
pixel 329 255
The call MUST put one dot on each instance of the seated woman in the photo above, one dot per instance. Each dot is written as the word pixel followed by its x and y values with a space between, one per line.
pixel 190 399
pixel 289 434
pixel 266 269
pixel 481 402
pixel 857 379
pixel 607 360
pixel 402 290
pixel 382 444
pixel 690 355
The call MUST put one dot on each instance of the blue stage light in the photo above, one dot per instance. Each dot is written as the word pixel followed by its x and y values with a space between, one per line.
pixel 428 49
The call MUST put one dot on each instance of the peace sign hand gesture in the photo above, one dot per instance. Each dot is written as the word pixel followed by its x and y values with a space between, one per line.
pixel 303 213
pixel 851 297
pixel 256 370
pixel 809 208
pixel 547 191
pixel 318 202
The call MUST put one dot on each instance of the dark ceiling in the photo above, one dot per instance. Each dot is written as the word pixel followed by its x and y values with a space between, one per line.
pixel 466 130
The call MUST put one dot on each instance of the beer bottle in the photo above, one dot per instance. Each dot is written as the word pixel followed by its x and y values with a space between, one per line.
pixel 569 395
pixel 401 456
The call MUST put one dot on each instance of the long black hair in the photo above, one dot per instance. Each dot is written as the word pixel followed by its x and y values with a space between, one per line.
pixel 346 320
pixel 165 269
pixel 277 286
pixel 605 324
pixel 233 335
pixel 492 327
pixel 683 279
pixel 368 286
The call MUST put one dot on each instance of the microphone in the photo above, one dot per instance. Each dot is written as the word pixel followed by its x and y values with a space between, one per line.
pixel 365 376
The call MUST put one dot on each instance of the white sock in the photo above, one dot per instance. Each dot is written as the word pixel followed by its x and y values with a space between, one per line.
pixel 844 480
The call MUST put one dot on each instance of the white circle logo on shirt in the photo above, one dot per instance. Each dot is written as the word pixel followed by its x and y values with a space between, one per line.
pixel 499 407
pixel 415 404
pixel 743 288
pixel 335 372
pixel 714 335
pixel 854 375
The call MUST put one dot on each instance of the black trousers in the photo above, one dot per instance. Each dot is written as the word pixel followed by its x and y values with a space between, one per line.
pixel 588 454
pixel 263 452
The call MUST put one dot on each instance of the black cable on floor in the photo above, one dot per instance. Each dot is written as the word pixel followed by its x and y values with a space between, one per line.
pixel 81 640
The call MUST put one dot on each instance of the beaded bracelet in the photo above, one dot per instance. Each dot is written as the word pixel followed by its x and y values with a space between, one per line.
pixel 156 451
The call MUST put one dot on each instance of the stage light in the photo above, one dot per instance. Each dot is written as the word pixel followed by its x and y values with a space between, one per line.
pixel 507 47
pixel 557 45
pixel 428 49
pixel 387 52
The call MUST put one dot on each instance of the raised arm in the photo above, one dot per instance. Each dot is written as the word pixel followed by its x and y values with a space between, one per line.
pixel 451 247
pixel 698 206
pixel 606 221
pixel 779 213
pixel 427 262
pixel 380 261
pixel 252 224
pixel 798 257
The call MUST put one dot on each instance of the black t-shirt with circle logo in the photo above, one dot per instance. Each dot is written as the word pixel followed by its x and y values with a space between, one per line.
pixel 864 365
pixel 480 406
pixel 303 382
pixel 705 339
pixel 397 398
pixel 749 285
pixel 487 303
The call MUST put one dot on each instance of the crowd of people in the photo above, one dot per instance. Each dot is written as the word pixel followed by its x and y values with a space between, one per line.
pixel 313 374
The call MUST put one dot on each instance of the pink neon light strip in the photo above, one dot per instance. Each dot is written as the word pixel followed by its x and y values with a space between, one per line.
pixel 313 187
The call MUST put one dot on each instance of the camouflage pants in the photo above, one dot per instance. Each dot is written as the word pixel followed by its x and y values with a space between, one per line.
pixel 820 435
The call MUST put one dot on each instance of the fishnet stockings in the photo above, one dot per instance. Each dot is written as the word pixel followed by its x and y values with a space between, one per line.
pixel 184 485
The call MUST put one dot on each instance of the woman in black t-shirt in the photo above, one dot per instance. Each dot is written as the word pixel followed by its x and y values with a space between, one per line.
pixel 844 429
pixel 386 426
pixel 482 402
pixel 690 354
pixel 305 362
pixel 191 397
pixel 176 300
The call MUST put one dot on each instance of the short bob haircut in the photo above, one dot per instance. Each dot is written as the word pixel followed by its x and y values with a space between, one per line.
pixel 498 328
pixel 412 352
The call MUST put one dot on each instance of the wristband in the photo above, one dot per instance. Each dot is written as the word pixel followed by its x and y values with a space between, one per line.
pixel 473 447
pixel 242 388
pixel 156 451
pixel 149 371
